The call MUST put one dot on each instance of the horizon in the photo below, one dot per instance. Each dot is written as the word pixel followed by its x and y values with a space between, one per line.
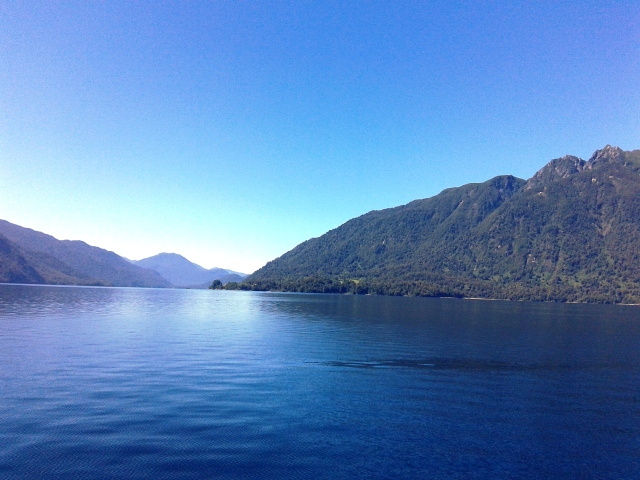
pixel 229 134
pixel 249 273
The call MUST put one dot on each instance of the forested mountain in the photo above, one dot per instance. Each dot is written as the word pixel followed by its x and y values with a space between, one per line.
pixel 570 233
pixel 29 256
pixel 183 273
pixel 14 268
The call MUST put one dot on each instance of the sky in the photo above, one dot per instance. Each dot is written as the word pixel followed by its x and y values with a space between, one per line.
pixel 231 131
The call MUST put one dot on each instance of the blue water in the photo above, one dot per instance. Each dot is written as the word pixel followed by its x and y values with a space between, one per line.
pixel 144 383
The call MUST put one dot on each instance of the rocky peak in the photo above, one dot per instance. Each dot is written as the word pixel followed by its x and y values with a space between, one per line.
pixel 556 169
pixel 604 156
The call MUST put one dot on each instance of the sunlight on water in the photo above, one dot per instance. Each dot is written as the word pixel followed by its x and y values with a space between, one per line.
pixel 144 383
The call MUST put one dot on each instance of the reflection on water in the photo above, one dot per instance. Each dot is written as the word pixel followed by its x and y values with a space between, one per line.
pixel 151 383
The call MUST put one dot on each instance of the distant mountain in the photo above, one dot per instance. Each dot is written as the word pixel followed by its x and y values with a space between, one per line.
pixel 570 233
pixel 36 257
pixel 183 273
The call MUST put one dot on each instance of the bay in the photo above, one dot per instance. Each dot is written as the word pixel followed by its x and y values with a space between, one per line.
pixel 159 383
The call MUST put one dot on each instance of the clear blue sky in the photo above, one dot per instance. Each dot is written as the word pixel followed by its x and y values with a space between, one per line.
pixel 230 132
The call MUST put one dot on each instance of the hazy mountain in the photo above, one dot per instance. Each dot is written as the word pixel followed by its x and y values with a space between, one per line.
pixel 570 233
pixel 183 273
pixel 14 268
pixel 69 262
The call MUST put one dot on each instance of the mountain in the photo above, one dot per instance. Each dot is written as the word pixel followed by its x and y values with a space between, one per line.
pixel 569 233
pixel 36 257
pixel 14 268
pixel 183 273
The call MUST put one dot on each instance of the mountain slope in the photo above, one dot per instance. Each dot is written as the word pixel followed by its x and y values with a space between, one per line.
pixel 570 233
pixel 75 262
pixel 395 237
pixel 14 268
pixel 183 273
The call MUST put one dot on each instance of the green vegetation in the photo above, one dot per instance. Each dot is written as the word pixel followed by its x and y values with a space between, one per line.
pixel 570 233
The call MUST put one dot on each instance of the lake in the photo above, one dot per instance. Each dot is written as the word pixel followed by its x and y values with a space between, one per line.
pixel 159 383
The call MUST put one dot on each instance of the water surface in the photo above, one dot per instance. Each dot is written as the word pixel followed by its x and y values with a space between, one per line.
pixel 152 383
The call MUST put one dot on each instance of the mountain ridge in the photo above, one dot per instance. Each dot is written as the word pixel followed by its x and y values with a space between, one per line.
pixel 70 262
pixel 562 235
pixel 181 272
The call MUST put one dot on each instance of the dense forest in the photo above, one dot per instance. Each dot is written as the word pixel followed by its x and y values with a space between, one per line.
pixel 570 233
